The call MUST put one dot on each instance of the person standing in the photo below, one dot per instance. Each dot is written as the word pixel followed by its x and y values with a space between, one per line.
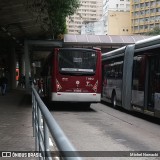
pixel 4 82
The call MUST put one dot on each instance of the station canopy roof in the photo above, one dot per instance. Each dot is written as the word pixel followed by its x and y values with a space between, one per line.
pixel 21 19
pixel 70 39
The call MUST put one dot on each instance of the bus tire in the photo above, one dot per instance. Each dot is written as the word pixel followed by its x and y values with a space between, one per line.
pixel 114 100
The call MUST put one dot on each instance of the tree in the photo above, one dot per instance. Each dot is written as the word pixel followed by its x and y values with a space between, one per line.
pixel 52 13
pixel 155 31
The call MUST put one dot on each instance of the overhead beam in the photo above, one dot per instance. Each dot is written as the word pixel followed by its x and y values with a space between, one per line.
pixel 45 43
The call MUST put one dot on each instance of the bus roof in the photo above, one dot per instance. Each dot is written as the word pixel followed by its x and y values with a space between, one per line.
pixel 86 49
pixel 146 44
pixel 150 43
pixel 113 54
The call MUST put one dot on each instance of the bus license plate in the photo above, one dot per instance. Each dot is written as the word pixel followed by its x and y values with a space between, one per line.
pixel 77 90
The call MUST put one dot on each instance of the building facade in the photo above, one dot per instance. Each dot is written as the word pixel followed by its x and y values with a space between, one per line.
pixel 119 23
pixel 90 10
pixel 93 28
pixel 145 15
pixel 119 7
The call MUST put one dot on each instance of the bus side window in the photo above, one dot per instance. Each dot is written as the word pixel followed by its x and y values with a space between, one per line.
pixel 138 73
pixel 157 75
pixel 107 71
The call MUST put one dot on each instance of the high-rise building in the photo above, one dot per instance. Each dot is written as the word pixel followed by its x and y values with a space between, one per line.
pixel 116 5
pixel 145 15
pixel 116 17
pixel 93 28
pixel 89 11
pixel 118 23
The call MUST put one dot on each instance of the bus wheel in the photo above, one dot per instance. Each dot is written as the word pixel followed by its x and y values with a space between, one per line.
pixel 114 100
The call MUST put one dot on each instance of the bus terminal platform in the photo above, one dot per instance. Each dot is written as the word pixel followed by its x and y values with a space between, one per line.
pixel 16 131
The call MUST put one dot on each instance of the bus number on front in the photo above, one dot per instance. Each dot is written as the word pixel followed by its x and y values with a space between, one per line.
pixel 89 78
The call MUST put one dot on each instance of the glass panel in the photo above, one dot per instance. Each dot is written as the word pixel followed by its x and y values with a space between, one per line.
pixel 112 78
pixel 138 83
pixel 154 79
pixel 138 73
pixel 157 84
pixel 157 75
pixel 77 61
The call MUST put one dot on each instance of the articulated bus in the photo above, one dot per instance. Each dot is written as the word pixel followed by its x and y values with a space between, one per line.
pixel 131 77
pixel 73 75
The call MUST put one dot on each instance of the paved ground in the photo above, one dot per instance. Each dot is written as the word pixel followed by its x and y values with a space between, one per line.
pixel 16 133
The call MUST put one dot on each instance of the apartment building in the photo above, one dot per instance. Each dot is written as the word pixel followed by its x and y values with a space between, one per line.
pixel 116 17
pixel 145 15
pixel 89 11
pixel 116 5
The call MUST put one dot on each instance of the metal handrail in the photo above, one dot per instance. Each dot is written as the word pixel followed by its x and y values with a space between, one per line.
pixel 43 122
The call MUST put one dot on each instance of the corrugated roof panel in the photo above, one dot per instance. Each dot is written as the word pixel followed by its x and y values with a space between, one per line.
pixel 81 38
pixel 104 39
pixel 69 38
pixel 137 38
pixel 127 39
pixel 93 39
pixel 116 39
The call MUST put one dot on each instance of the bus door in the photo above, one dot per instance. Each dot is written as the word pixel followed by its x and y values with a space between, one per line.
pixel 153 91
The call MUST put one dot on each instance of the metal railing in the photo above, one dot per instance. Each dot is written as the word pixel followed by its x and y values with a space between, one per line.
pixel 43 124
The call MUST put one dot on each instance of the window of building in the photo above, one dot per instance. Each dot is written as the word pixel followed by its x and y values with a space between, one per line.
pixel 146 26
pixel 121 5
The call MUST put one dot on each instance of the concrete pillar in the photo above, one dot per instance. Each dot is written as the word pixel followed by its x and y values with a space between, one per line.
pixel 27 65
pixel 13 68
pixel 23 64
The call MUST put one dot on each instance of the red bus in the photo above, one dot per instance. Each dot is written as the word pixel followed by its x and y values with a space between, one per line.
pixel 73 75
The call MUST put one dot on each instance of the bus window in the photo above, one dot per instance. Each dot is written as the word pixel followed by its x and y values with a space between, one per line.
pixel 138 73
pixel 77 62
pixel 157 75
pixel 138 80
pixel 154 79
pixel 114 69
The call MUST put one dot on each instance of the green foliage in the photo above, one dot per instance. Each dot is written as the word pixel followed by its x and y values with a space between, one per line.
pixel 155 31
pixel 52 13
pixel 58 10
pixel 63 7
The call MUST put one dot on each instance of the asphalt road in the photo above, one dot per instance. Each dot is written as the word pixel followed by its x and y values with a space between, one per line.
pixel 102 128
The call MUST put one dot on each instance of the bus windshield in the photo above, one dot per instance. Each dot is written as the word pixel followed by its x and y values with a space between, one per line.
pixel 77 61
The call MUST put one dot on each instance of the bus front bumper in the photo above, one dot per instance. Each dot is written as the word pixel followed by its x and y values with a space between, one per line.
pixel 76 97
